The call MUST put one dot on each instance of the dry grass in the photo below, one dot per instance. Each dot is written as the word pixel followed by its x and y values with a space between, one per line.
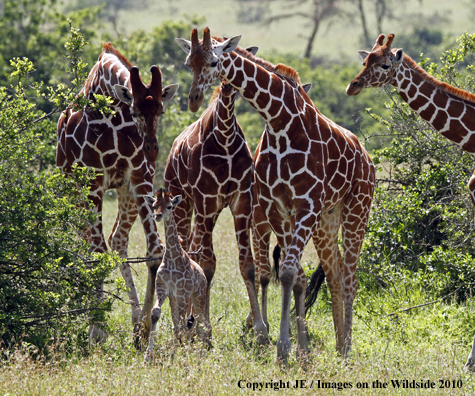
pixel 418 346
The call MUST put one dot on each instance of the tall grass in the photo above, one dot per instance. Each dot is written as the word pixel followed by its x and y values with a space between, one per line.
pixel 426 344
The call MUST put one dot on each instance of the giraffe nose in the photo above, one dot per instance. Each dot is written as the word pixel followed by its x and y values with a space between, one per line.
pixel 197 96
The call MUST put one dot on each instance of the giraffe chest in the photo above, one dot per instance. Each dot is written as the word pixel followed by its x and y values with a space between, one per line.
pixel 112 148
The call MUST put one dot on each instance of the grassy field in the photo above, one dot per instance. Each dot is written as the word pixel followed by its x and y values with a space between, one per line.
pixel 427 344
pixel 337 41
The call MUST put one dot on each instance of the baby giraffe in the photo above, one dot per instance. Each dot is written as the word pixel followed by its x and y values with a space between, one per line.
pixel 179 278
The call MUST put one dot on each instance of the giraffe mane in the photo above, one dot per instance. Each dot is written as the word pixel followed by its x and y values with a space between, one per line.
pixel 460 93
pixel 280 69
pixel 110 49
pixel 215 93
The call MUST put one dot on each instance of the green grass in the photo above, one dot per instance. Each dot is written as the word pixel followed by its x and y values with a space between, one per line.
pixel 430 343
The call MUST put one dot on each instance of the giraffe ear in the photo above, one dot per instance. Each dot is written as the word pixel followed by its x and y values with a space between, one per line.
pixel 307 87
pixel 123 94
pixel 176 200
pixel 253 50
pixel 227 46
pixel 184 44
pixel 363 54
pixel 169 92
pixel 150 200
pixel 399 55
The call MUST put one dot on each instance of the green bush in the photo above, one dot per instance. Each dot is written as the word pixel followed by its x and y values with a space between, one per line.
pixel 48 284
pixel 421 226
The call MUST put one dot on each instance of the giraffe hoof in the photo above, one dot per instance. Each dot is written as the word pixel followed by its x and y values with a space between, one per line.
pixel 470 365
pixel 283 350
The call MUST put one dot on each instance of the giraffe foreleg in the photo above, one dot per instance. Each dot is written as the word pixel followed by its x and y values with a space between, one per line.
pixel 326 244
pixel 354 219
pixel 95 236
pixel 261 233
pixel 246 266
pixel 198 298
pixel 119 240
pixel 154 246
pixel 293 279
pixel 162 293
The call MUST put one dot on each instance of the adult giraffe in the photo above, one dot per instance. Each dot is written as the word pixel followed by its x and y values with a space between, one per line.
pixel 311 177
pixel 122 148
pixel 451 111
pixel 210 165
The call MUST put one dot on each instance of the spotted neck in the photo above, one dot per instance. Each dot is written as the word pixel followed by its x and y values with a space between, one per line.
pixel 449 110
pixel 107 72
pixel 274 97
pixel 224 119
pixel 173 246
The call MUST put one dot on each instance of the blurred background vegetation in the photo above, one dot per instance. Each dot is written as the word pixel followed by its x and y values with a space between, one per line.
pixel 421 227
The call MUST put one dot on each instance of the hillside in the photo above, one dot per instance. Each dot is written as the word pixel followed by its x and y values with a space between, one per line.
pixel 340 40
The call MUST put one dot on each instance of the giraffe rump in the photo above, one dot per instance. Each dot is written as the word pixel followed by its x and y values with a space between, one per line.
pixel 108 48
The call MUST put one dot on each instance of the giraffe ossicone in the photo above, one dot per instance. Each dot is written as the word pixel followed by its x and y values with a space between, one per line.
pixel 312 178
pixel 122 148
pixel 450 111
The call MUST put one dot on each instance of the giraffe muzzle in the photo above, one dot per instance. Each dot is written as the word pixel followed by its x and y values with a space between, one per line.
pixel 354 87
pixel 150 149
pixel 195 98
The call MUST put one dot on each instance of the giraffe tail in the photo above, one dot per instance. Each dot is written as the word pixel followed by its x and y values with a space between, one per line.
pixel 312 289
pixel 275 268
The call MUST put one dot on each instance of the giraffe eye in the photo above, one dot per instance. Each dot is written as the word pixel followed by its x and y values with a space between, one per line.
pixel 385 67
pixel 134 115
pixel 214 63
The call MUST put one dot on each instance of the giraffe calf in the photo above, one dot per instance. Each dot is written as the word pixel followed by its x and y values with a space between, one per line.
pixel 179 278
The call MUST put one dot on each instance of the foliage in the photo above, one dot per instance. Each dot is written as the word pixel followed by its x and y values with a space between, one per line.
pixel 422 220
pixel 48 290
pixel 37 31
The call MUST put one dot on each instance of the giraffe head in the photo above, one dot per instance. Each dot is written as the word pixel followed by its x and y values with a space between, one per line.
pixel 164 203
pixel 380 66
pixel 205 61
pixel 146 106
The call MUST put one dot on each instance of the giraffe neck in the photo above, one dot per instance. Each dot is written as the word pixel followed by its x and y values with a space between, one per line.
pixel 173 246
pixel 224 117
pixel 449 110
pixel 264 90
pixel 107 72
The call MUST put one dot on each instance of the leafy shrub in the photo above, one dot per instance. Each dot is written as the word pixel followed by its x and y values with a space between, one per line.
pixel 422 219
pixel 48 286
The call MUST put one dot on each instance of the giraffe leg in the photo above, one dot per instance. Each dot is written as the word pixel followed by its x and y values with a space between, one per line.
pixel 293 279
pixel 178 317
pixel 119 240
pixel 202 240
pixel 326 244
pixel 154 244
pixel 95 236
pixel 246 266
pixel 260 239
pixel 354 219
pixel 162 293
pixel 198 298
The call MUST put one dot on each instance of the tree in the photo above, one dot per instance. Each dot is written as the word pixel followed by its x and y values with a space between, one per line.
pixel 421 227
pixel 316 12
pixel 48 284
